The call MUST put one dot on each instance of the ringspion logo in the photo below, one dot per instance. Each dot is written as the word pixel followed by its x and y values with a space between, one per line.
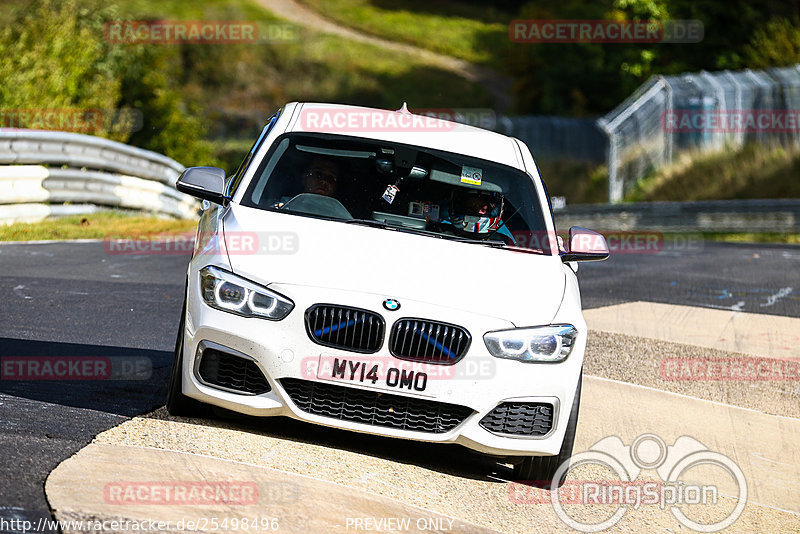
pixel 622 489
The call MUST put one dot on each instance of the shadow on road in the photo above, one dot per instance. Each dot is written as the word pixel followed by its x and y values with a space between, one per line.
pixel 117 380
pixel 449 459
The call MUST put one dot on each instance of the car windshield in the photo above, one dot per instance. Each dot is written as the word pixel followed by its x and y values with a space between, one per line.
pixel 400 187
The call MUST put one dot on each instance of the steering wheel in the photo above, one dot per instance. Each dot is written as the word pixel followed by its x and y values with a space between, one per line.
pixel 314 204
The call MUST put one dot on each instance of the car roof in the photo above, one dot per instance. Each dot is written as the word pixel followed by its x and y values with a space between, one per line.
pixel 402 126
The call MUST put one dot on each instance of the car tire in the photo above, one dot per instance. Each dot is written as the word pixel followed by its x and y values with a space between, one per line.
pixel 540 470
pixel 177 403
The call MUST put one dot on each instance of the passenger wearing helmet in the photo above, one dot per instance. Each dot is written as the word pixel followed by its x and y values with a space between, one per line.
pixel 476 214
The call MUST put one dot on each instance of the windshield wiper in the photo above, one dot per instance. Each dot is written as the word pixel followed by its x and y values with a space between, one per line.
pixel 369 222
pixel 399 228
pixel 488 243
pixel 496 244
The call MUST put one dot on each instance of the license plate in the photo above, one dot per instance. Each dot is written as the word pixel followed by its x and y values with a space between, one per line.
pixel 386 374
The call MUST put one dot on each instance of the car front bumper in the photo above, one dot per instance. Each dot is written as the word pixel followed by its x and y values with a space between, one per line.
pixel 283 350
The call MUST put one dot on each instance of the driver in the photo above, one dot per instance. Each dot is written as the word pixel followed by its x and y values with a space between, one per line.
pixel 320 178
pixel 477 215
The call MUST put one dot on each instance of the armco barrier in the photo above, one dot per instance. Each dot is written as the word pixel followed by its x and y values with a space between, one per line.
pixel 707 216
pixel 85 171
pixel 85 151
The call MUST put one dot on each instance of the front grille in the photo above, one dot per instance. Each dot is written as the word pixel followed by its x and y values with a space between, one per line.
pixel 345 328
pixel 520 419
pixel 231 372
pixel 372 408
pixel 428 341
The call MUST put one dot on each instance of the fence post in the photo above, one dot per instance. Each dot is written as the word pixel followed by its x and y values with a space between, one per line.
pixel 614 188
pixel 668 108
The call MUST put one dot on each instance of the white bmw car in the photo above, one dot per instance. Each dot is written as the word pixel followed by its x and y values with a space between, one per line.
pixel 388 273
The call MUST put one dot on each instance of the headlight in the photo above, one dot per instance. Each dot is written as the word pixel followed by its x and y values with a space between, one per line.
pixel 226 291
pixel 538 344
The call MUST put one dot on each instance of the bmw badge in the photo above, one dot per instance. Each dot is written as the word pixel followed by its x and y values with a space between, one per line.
pixel 391 304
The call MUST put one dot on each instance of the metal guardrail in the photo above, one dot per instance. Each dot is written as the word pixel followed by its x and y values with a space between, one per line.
pixel 781 215
pixel 87 170
pixel 85 151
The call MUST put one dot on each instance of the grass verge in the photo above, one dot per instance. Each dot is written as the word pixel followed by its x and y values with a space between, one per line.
pixel 231 88
pixel 306 66
pixel 754 171
pixel 116 224
pixel 101 225
pixel 478 34
pixel 750 237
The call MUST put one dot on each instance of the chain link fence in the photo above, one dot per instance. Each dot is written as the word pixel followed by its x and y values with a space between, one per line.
pixel 699 112
pixel 555 138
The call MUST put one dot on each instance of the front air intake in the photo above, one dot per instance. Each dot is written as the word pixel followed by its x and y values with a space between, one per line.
pixel 533 419
pixel 374 408
pixel 233 373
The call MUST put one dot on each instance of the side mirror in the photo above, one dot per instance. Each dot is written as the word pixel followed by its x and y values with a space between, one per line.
pixel 206 183
pixel 585 245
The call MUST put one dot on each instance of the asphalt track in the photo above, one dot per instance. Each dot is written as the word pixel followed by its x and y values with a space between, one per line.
pixel 75 299
pixel 761 279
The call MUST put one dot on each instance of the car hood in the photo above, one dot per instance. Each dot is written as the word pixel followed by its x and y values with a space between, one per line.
pixel 525 289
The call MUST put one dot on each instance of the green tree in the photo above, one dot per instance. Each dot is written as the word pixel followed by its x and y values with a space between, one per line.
pixel 582 78
pixel 172 122
pixel 591 78
pixel 52 56
pixel 775 44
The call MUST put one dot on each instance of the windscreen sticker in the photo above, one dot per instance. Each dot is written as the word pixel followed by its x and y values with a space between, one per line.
pixel 471 175
pixel 389 194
